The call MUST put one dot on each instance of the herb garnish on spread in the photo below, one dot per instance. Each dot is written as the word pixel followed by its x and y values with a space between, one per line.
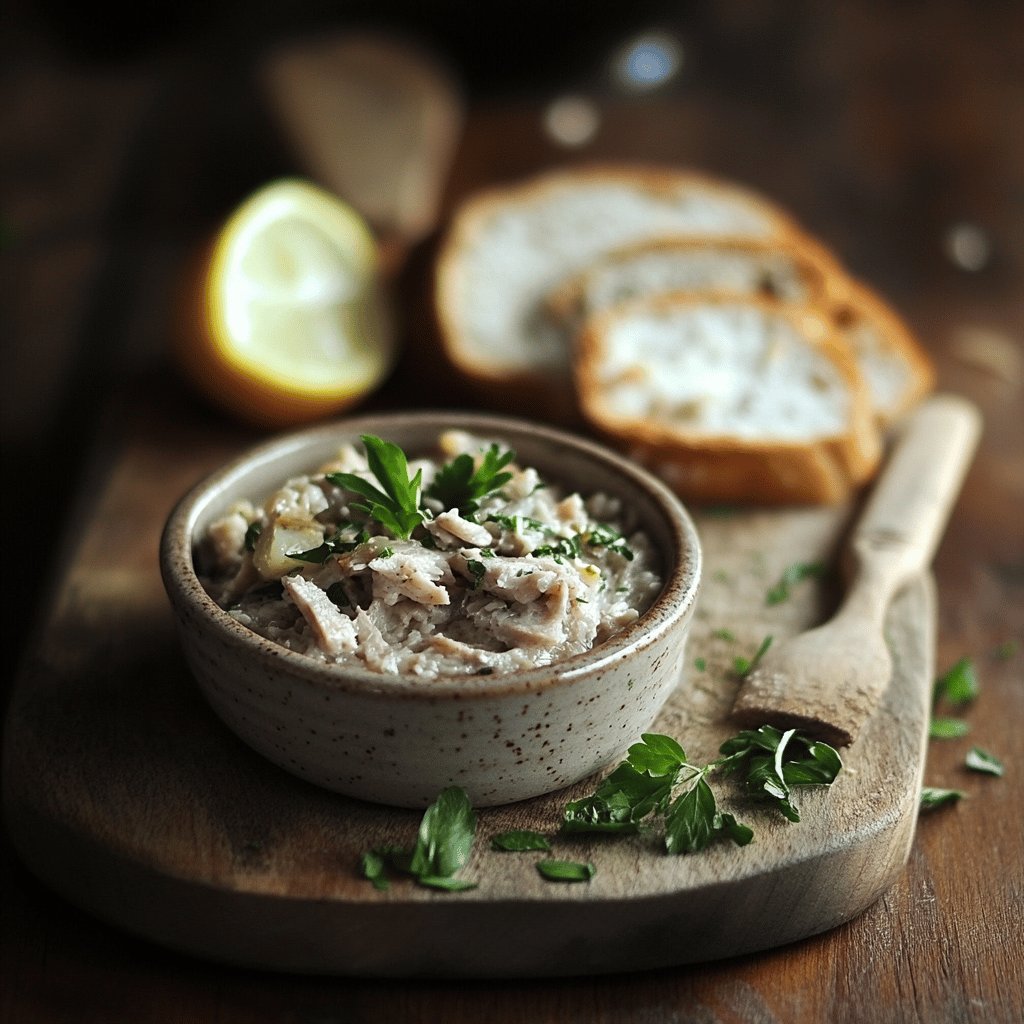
pixel 467 563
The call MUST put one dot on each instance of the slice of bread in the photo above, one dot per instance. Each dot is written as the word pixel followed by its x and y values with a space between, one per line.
pixel 899 373
pixel 505 250
pixel 790 269
pixel 730 398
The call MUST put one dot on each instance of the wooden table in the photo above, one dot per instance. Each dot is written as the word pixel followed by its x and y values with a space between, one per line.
pixel 894 136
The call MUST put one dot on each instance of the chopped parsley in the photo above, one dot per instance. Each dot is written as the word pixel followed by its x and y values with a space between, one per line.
pixel 566 870
pixel 603 536
pixel 599 536
pixel 477 570
pixel 519 841
pixel 744 666
pixel 792 575
pixel 515 523
pixel 337 544
pixel 947 728
pixel 252 533
pixel 932 797
pixel 979 760
pixel 564 547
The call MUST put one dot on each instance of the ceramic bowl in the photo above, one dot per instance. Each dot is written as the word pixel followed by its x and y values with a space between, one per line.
pixel 397 740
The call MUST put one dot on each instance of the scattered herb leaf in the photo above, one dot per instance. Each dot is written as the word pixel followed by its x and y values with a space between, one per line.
pixel 566 870
pixel 724 634
pixel 442 847
pixel 700 664
pixel 447 884
pixel 959 685
pixel 445 835
pixel 947 728
pixel 520 840
pixel 979 760
pixel 372 865
pixel 744 666
pixel 931 797
pixel 477 569
pixel 690 822
pixel 252 532
pixel 792 575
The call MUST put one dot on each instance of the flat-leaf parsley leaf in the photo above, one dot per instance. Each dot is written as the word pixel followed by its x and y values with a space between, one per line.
pixel 566 870
pixel 519 841
pixel 462 485
pixel 397 505
pixel 979 760
pixel 443 845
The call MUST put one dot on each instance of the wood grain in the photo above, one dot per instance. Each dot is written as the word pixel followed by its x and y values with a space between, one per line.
pixel 126 795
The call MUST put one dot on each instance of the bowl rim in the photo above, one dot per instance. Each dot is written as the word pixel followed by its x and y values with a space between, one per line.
pixel 676 599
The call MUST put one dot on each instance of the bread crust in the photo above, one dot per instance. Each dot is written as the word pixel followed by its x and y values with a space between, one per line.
pixel 727 468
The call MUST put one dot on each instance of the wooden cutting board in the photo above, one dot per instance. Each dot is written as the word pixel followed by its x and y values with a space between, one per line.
pixel 125 794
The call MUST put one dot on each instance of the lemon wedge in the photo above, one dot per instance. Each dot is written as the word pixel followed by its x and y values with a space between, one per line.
pixel 285 317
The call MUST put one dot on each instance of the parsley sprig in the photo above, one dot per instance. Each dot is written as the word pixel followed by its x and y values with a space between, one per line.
pixel 791 575
pixel 462 485
pixel 656 778
pixel 766 761
pixel 397 506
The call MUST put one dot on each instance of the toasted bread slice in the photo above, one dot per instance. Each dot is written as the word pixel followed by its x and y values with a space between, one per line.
pixel 729 398
pixel 506 248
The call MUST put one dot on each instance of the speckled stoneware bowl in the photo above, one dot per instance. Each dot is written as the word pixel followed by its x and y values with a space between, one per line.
pixel 398 740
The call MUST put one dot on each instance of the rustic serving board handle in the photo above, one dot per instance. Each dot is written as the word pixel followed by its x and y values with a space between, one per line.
pixel 828 680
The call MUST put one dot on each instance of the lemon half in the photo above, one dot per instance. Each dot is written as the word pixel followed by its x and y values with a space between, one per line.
pixel 287 321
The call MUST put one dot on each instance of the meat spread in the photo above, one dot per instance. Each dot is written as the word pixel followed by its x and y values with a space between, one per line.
pixel 514 576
